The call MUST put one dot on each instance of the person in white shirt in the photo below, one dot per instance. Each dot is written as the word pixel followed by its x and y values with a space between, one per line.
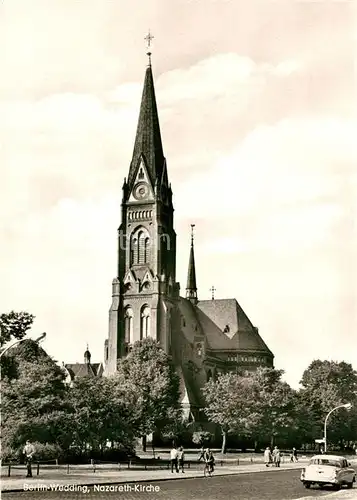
pixel 267 457
pixel 173 458
pixel 29 451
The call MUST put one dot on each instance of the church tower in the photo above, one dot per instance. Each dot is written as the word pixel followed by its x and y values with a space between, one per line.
pixel 145 289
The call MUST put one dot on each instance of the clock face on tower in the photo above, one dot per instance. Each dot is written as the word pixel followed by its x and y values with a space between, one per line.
pixel 141 191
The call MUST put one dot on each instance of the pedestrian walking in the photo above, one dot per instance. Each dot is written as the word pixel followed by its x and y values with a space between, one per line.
pixel 276 456
pixel 267 456
pixel 181 459
pixel 29 451
pixel 202 453
pixel 173 459
pixel 209 459
pixel 295 455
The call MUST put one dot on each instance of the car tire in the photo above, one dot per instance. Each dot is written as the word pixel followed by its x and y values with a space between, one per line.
pixel 307 485
pixel 336 487
pixel 350 485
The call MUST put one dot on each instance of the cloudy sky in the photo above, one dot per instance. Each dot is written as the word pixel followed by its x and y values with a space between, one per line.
pixel 257 106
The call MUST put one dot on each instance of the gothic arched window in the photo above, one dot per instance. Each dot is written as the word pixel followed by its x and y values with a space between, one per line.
pixel 134 250
pixel 145 322
pixel 140 247
pixel 147 250
pixel 129 331
pixel 141 250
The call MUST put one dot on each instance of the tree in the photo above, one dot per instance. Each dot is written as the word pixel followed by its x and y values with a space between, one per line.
pixel 325 385
pixel 229 401
pixel 99 414
pixel 14 325
pixel 175 428
pixel 273 412
pixel 148 379
pixel 34 399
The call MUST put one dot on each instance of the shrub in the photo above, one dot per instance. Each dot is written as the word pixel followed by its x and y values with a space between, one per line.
pixel 46 452
pixel 77 456
pixel 8 454
pixel 202 437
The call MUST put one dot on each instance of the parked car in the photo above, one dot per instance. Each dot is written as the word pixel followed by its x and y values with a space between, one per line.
pixel 328 469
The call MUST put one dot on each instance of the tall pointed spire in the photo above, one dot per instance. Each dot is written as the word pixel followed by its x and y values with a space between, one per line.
pixel 191 289
pixel 148 137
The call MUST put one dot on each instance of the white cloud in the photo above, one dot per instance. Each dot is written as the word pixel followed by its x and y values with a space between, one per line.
pixel 223 74
pixel 286 68
pixel 274 168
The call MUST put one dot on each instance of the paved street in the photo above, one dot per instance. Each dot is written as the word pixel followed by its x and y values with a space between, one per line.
pixel 280 485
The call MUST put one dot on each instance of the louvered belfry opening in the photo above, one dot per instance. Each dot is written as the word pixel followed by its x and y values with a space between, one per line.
pixel 140 248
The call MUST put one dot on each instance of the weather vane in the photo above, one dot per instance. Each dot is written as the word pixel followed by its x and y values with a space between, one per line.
pixel 148 39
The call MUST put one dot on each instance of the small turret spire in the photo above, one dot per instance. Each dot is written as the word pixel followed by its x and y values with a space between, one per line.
pixel 191 289
pixel 87 356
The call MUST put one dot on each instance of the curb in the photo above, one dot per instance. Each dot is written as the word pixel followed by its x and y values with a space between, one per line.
pixel 155 480
pixel 338 495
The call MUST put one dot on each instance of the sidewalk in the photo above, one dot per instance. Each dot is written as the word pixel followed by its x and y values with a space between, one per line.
pixel 337 495
pixel 87 478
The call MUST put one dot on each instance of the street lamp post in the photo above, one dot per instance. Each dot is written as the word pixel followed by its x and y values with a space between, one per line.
pixel 348 406
pixel 38 340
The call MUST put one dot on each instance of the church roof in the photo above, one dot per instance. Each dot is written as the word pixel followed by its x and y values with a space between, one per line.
pixel 223 323
pixel 216 339
pixel 148 137
pixel 190 393
pixel 191 326
pixel 84 369
pixel 222 312
pixel 250 341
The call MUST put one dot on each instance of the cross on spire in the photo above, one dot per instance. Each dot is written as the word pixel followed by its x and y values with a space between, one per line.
pixel 212 290
pixel 148 39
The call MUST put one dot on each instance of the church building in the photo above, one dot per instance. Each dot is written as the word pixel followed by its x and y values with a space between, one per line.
pixel 86 369
pixel 204 337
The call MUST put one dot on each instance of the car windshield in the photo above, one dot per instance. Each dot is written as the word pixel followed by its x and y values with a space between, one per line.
pixel 326 461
